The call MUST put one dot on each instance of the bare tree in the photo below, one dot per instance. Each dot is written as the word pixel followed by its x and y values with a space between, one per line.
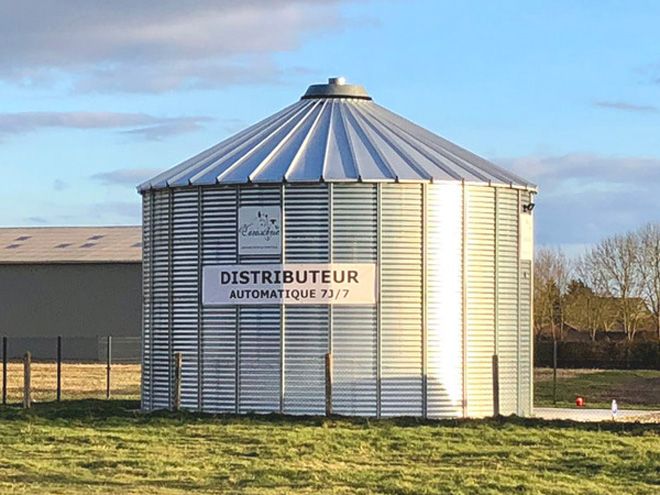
pixel 551 276
pixel 649 269
pixel 615 262
pixel 583 308
pixel 593 306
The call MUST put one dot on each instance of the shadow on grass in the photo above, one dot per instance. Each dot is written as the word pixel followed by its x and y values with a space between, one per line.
pixel 96 410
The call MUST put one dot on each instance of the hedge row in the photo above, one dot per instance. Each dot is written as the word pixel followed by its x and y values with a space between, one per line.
pixel 602 355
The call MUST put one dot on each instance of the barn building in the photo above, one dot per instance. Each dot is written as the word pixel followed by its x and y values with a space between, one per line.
pixel 81 283
pixel 336 226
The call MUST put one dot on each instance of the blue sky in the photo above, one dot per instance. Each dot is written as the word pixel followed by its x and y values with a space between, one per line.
pixel 566 93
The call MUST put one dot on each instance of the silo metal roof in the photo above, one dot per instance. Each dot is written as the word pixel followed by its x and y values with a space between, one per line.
pixel 335 133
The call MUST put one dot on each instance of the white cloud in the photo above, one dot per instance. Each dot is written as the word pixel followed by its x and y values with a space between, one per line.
pixel 626 106
pixel 154 46
pixel 125 176
pixel 139 124
pixel 584 197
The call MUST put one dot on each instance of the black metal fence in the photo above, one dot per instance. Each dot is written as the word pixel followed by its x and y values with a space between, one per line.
pixel 601 355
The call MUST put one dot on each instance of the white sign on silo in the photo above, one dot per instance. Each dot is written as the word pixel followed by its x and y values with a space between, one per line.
pixel 290 283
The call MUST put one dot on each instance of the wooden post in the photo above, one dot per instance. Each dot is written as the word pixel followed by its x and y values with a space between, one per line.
pixel 4 371
pixel 178 366
pixel 554 371
pixel 108 367
pixel 496 385
pixel 27 381
pixel 328 384
pixel 59 368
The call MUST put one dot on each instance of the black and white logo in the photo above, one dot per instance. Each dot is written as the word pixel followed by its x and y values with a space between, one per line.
pixel 259 230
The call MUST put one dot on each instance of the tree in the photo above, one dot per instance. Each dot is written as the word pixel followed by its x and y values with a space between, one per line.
pixel 551 275
pixel 583 308
pixel 615 263
pixel 600 308
pixel 649 268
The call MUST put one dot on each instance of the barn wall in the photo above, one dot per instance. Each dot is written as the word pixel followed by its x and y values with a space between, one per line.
pixel 79 301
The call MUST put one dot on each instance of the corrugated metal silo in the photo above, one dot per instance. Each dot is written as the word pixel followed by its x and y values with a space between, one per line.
pixel 439 242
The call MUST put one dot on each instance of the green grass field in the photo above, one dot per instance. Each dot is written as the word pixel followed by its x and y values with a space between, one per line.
pixel 107 447
pixel 638 389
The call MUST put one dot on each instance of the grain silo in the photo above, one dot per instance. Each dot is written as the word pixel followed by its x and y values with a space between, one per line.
pixel 337 225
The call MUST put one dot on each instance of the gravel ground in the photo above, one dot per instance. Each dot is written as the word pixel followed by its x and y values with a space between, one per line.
pixel 585 415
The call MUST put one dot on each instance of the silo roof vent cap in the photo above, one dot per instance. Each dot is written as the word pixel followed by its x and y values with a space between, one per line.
pixel 336 88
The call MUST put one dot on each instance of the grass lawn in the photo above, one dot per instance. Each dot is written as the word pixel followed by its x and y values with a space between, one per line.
pixel 107 447
pixel 639 389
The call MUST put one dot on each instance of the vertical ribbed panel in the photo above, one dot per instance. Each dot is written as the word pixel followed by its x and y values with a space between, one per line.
pixel 147 226
pixel 259 359
pixel 259 330
pixel 304 361
pixel 161 350
pixel 401 299
pixel 526 352
pixel 185 290
pixel 480 287
pixel 526 355
pixel 219 351
pixel 445 300
pixel 507 298
pixel 354 332
pixel 306 327
pixel 306 224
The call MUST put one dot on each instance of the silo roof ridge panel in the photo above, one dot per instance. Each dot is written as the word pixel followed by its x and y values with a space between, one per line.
pixel 466 157
pixel 398 162
pixel 308 162
pixel 277 164
pixel 331 136
pixel 442 157
pixel 339 163
pixel 185 166
pixel 209 171
pixel 417 151
pixel 257 158
pixel 371 157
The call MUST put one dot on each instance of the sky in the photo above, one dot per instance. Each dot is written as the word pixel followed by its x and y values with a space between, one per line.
pixel 97 96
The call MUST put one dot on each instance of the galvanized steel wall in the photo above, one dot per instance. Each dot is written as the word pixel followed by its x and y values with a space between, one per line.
pixel 401 293
pixel 354 339
pixel 453 293
pixel 306 328
pixel 444 300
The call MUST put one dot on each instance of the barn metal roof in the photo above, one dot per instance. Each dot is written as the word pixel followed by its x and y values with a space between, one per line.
pixel 334 133
pixel 43 245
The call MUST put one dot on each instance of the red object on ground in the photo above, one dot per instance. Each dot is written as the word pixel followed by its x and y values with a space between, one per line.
pixel 579 401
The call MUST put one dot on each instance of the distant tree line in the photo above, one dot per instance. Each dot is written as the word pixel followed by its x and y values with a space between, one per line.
pixel 615 285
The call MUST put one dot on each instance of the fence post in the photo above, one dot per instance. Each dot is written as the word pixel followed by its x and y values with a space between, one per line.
pixel 554 371
pixel 59 368
pixel 4 371
pixel 108 367
pixel 178 366
pixel 496 385
pixel 27 380
pixel 328 384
